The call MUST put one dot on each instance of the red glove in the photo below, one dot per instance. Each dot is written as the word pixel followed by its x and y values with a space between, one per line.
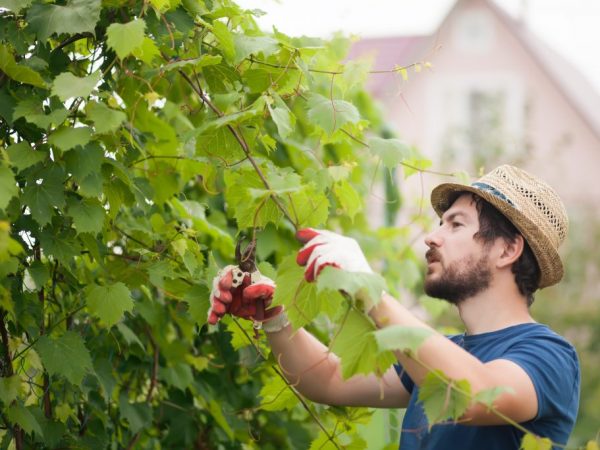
pixel 324 248
pixel 241 294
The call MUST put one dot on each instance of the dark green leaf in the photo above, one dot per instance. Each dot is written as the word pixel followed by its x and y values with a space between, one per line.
pixel 77 16
pixel 66 356
pixel 22 155
pixel 21 415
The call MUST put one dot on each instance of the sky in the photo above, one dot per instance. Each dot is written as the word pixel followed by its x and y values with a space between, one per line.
pixel 571 27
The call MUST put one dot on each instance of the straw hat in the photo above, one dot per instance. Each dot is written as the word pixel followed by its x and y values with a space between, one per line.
pixel 529 203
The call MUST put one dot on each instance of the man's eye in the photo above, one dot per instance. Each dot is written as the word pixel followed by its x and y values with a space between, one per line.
pixel 456 224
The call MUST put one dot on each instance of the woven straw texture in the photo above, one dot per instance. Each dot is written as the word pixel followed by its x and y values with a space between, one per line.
pixel 529 203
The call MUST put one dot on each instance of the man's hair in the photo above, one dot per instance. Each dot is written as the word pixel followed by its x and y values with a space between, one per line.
pixel 493 225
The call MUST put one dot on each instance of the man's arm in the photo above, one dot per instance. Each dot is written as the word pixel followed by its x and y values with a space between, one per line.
pixel 439 352
pixel 316 373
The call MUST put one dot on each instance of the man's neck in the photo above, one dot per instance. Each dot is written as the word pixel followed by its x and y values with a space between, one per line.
pixel 494 309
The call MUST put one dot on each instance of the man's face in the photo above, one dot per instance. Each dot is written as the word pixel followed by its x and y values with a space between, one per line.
pixel 457 265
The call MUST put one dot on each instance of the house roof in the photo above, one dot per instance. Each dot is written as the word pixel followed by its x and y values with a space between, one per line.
pixel 390 52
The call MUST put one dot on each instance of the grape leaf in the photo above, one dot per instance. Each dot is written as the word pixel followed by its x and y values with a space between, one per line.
pixel 109 303
pixel 21 155
pixel 67 138
pixel 350 202
pixel 77 16
pixel 251 45
pixel 488 396
pixel 533 442
pixel 44 196
pixel 276 395
pixel 67 85
pixel 124 38
pixel 88 215
pixel 355 344
pixel 21 415
pixel 391 151
pixel 105 119
pixel 18 72
pixel 440 398
pixel 31 109
pixel 9 389
pixel 15 5
pixel 282 116
pixel 198 302
pixel 357 284
pixel 330 115
pixel 225 38
pixel 398 337
pixel 8 186
pixel 66 356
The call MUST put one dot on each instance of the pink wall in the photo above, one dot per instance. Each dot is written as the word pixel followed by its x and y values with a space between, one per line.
pixel 563 148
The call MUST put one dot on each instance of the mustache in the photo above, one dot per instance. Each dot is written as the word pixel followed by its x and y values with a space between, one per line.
pixel 433 255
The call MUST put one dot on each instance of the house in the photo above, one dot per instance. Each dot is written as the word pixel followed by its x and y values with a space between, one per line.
pixel 494 94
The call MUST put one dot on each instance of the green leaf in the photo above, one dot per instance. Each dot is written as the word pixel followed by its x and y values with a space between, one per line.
pixel 21 415
pixel 252 45
pixel 196 63
pixel 67 85
pixel 441 398
pixel 105 119
pixel 282 116
pixel 77 16
pixel 355 344
pixel 8 186
pixel 59 245
pixel 398 337
pixel 15 5
pixel 88 215
pixel 9 389
pixel 66 138
pixel 82 162
pixel 349 200
pixel 139 415
pixel 198 302
pixel 488 396
pixel 330 115
pixel 391 151
pixel 127 37
pixel 276 395
pixel 22 156
pixel 357 284
pixel 66 356
pixel 42 197
pixel 147 52
pixel 18 72
pixel 533 442
pixel 225 39
pixel 179 376
pixel 32 110
pixel 109 303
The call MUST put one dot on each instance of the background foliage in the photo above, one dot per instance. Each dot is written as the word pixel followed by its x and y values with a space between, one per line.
pixel 140 140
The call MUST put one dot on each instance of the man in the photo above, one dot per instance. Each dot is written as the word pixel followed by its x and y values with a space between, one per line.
pixel 497 243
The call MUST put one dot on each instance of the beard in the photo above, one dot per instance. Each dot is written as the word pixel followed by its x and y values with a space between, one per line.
pixel 460 280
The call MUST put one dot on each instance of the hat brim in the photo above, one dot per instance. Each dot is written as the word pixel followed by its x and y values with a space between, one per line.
pixel 550 264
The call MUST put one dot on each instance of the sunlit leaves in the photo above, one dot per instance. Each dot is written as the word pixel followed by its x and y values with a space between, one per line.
pixel 355 344
pixel 66 356
pixel 109 303
pixel 329 114
pixel 397 337
pixel 105 119
pixel 532 442
pixel 277 395
pixel 18 72
pixel 443 398
pixel 391 151
pixel 8 186
pixel 67 85
pixel 67 138
pixel 77 16
pixel 21 415
pixel 9 388
pixel 357 284
pixel 127 37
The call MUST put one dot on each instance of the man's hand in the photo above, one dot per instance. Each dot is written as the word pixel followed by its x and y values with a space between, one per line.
pixel 324 248
pixel 241 294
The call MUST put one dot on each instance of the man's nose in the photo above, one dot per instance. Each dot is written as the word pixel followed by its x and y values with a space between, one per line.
pixel 433 239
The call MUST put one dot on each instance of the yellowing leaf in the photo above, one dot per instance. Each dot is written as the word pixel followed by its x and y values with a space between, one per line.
pixel 276 395
pixel 532 442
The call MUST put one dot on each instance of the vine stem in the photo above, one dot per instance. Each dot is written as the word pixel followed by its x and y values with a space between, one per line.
pixel 243 144
pixel 330 437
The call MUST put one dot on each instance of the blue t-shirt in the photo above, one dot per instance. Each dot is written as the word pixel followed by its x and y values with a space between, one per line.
pixel 551 363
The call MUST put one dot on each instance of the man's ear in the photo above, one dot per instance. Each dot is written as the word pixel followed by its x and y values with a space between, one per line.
pixel 511 251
